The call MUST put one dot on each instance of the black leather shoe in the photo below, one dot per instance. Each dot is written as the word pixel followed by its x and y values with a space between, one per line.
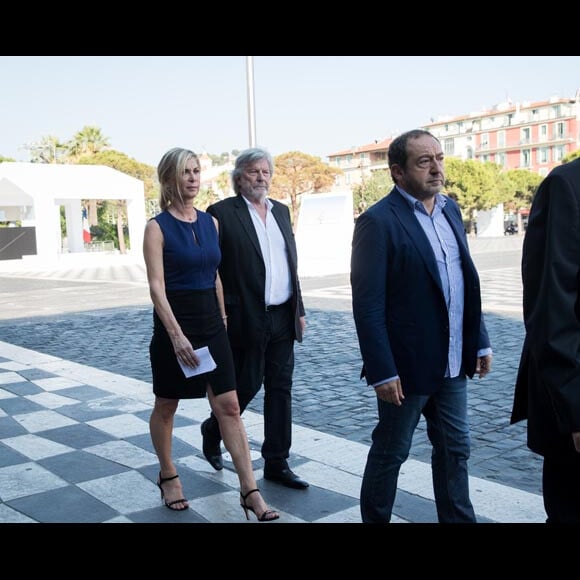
pixel 211 452
pixel 286 477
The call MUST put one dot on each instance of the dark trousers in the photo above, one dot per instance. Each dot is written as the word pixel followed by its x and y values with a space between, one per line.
pixel 271 364
pixel 561 489
pixel 448 430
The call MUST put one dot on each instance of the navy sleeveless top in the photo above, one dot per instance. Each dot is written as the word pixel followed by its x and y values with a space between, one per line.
pixel 191 252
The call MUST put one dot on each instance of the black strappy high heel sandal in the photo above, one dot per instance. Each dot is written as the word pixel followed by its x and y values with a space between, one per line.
pixel 265 517
pixel 170 504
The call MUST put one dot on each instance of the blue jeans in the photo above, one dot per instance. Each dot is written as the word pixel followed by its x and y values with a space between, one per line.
pixel 448 430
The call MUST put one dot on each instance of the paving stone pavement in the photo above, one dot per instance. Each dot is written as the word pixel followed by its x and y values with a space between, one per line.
pixel 96 319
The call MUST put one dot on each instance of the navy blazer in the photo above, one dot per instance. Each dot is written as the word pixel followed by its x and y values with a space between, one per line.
pixel 398 303
pixel 243 271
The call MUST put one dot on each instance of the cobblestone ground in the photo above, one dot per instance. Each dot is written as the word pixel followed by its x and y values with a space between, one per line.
pixel 65 313
pixel 328 395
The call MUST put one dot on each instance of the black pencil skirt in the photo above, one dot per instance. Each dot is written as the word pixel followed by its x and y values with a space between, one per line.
pixel 199 316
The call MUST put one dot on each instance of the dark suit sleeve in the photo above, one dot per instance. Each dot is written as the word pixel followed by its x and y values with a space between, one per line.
pixel 285 223
pixel 550 270
pixel 368 276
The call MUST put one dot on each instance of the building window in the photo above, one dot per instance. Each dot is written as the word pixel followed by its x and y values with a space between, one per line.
pixel 525 158
pixel 559 152
pixel 559 130
pixel 484 141
pixel 543 133
pixel 501 138
pixel 543 155
pixel 525 136
pixel 449 146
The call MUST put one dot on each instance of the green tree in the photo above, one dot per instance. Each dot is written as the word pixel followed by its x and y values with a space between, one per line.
pixel 205 197
pixel 522 186
pixel 224 158
pixel 224 183
pixel 48 150
pixel 88 141
pixel 108 228
pixel 296 173
pixel 475 186
pixel 371 190
pixel 572 155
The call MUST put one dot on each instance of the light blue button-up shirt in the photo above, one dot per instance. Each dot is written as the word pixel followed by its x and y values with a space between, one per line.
pixel 442 239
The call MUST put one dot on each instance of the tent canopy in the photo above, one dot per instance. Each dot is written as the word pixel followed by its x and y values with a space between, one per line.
pixel 39 189
pixel 68 181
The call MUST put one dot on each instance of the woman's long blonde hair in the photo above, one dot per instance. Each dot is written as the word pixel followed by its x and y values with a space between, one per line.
pixel 169 171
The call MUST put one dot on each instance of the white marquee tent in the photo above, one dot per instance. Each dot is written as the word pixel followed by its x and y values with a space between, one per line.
pixel 33 193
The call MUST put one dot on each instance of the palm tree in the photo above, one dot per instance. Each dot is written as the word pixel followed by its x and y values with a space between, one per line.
pixel 88 141
pixel 48 150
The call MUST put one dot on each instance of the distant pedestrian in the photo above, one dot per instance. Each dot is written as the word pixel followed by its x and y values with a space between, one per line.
pixel 547 391
pixel 417 310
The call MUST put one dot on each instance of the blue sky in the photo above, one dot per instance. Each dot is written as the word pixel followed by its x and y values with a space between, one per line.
pixel 315 104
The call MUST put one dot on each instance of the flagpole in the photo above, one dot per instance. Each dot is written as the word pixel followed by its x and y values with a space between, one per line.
pixel 251 107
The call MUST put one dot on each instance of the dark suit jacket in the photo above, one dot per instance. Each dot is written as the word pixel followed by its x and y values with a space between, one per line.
pixel 547 389
pixel 243 271
pixel 398 302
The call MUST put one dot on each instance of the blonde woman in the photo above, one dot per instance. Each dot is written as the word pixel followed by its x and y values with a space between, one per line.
pixel 182 255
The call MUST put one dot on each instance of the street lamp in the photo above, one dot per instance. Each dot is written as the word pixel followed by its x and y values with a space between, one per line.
pixel 251 111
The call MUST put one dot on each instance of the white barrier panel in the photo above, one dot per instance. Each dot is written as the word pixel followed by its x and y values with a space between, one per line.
pixel 490 222
pixel 324 233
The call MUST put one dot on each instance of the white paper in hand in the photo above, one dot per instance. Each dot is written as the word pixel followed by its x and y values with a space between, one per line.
pixel 206 363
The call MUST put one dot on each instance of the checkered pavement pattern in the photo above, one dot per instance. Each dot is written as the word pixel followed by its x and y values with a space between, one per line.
pixel 75 448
